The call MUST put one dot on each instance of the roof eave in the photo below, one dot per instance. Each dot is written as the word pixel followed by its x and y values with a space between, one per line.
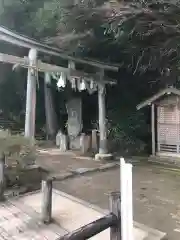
pixel 149 101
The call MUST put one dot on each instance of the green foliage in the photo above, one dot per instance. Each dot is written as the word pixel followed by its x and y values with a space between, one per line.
pixel 18 150
pixel 12 94
pixel 45 19
pixel 128 133
pixel 141 36
pixel 18 14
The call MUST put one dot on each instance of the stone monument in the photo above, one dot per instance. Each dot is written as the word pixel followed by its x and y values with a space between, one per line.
pixel 74 124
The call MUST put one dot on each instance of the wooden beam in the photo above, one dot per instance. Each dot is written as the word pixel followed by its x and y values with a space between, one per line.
pixel 115 208
pixel 24 62
pixel 153 129
pixel 24 41
pixel 92 228
pixel 2 176
pixel 45 67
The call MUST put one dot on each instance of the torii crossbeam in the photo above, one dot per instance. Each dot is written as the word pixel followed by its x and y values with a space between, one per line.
pixel 45 67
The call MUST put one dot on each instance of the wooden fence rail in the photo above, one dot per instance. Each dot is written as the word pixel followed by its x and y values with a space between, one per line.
pixel 92 228
pixel 112 220
pixel 119 220
pixel 2 176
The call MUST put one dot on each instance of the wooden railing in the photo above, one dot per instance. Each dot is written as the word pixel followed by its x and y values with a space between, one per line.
pixel 2 176
pixel 119 220
pixel 112 220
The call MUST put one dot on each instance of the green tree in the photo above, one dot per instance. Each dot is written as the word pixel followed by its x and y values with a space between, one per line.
pixel 141 36
pixel 16 15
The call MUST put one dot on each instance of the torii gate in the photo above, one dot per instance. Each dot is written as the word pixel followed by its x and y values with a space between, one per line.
pixel 33 64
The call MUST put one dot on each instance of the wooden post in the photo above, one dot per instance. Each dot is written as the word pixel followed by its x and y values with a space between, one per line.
pixel 115 208
pixel 102 118
pixel 46 210
pixel 126 200
pixel 153 129
pixel 31 97
pixel 129 201
pixel 2 177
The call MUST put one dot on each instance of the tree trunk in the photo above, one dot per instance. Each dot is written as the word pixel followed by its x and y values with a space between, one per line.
pixel 51 118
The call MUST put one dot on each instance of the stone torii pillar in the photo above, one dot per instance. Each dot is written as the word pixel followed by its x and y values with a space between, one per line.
pixel 31 97
pixel 103 146
pixel 102 119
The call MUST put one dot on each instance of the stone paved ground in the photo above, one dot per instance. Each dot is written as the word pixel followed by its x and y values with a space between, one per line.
pixel 54 162
pixel 20 219
pixel 156 191
pixel 19 222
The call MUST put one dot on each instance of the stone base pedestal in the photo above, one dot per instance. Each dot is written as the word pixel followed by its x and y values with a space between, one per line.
pixel 85 143
pixel 106 157
pixel 63 143
pixel 94 141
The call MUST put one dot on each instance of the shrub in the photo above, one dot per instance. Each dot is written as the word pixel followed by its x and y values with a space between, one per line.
pixel 129 133
pixel 18 150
